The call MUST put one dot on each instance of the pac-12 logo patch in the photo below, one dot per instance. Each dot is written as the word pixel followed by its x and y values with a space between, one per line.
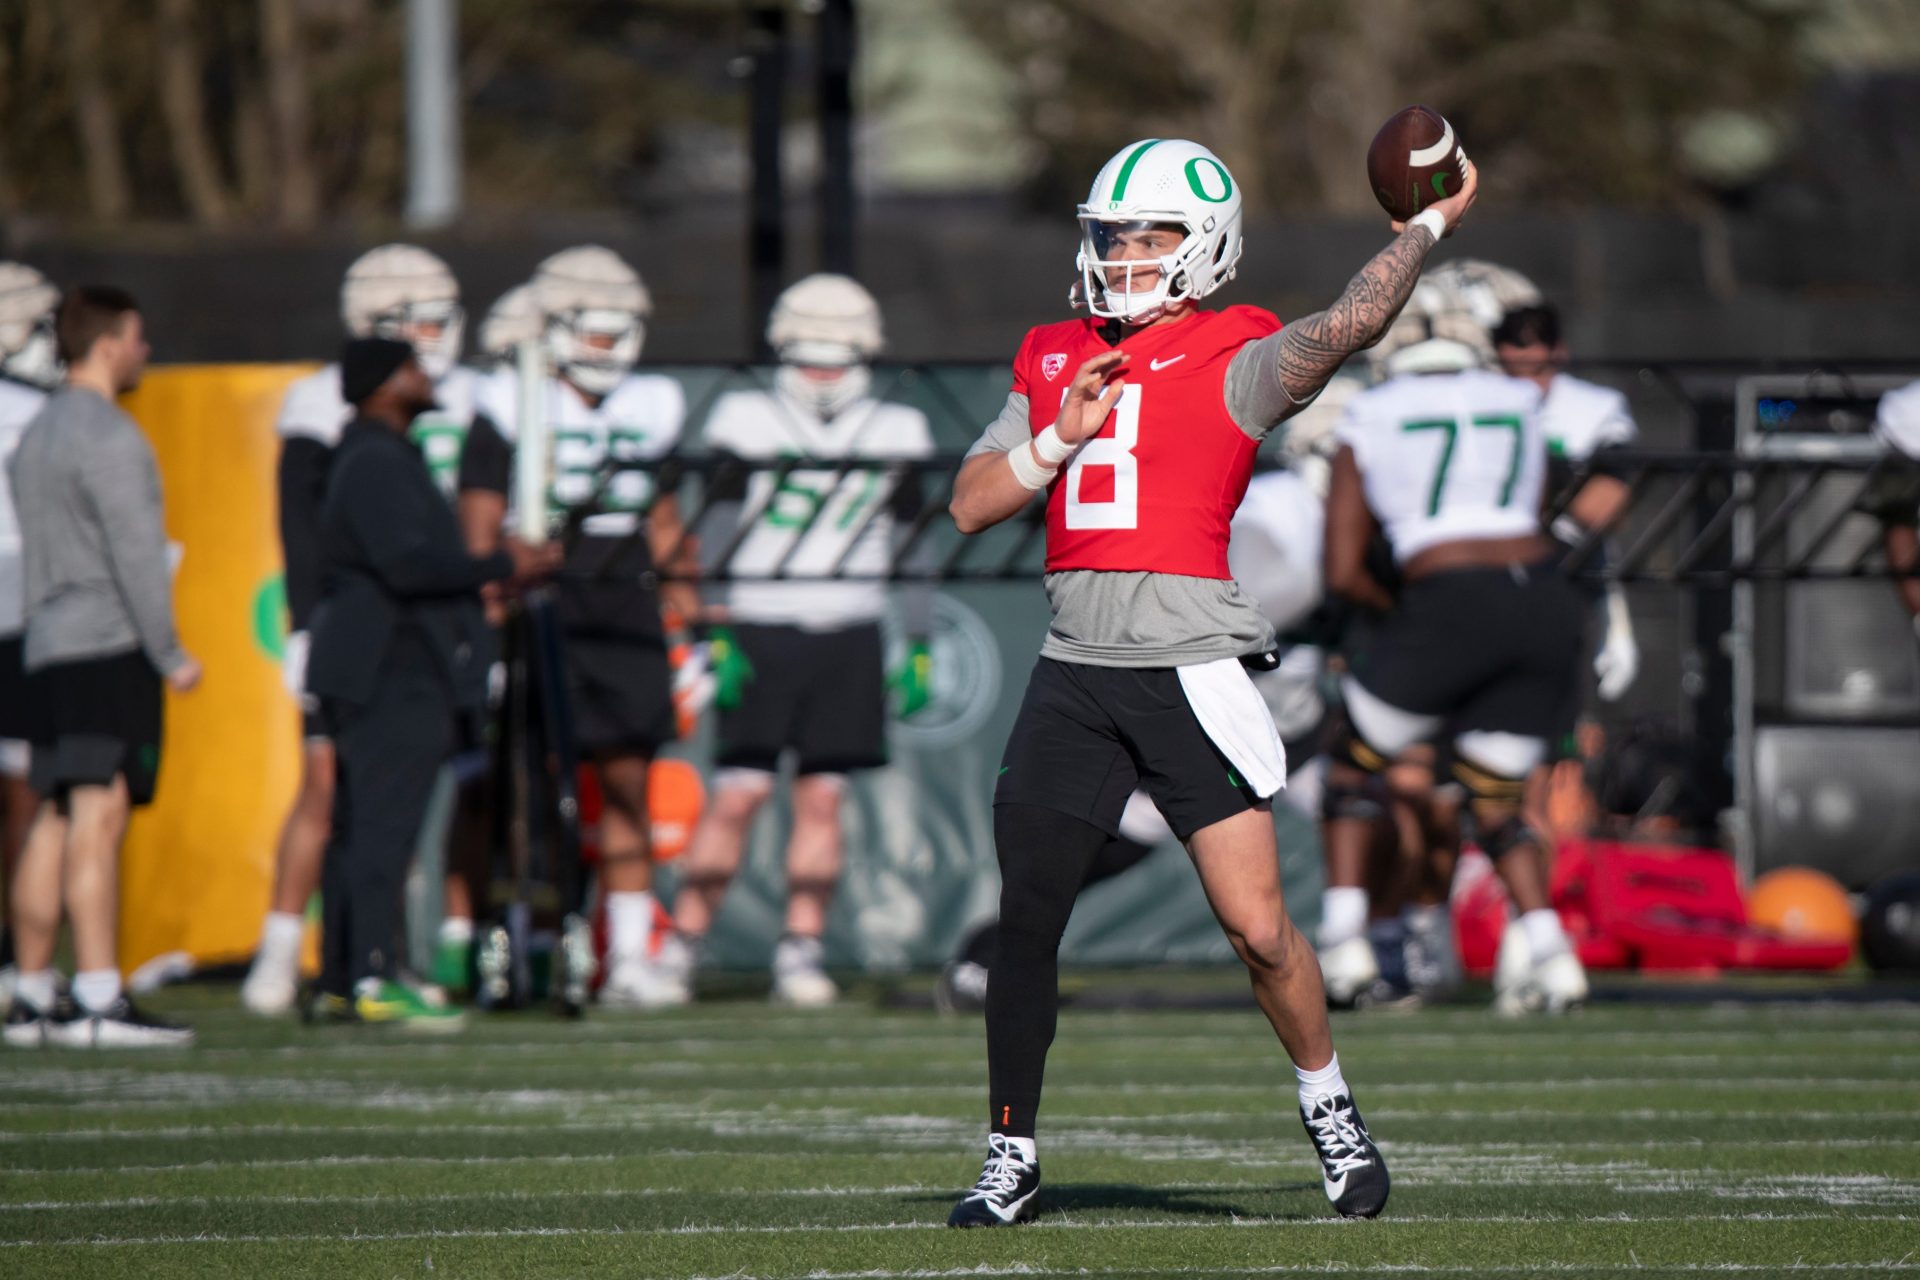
pixel 1053 364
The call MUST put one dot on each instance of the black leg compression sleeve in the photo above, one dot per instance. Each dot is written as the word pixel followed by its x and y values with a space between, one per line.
pixel 1117 855
pixel 1044 859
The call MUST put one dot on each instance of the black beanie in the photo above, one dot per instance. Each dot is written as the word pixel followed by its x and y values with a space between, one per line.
pixel 366 363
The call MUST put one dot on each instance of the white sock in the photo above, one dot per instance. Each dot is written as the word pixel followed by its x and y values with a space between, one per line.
pixel 280 938
pixel 36 987
pixel 629 924
pixel 1322 1083
pixel 1029 1149
pixel 456 930
pixel 1545 937
pixel 1343 915
pixel 96 989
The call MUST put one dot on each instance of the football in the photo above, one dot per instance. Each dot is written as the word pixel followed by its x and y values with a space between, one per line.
pixel 1414 160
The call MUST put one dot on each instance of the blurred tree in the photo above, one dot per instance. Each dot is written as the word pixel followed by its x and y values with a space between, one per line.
pixel 1583 100
pixel 291 113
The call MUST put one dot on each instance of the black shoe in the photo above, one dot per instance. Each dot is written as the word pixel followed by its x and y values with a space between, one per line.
pixel 1351 1168
pixel 1005 1193
pixel 327 1009
pixel 26 1026
pixel 122 1025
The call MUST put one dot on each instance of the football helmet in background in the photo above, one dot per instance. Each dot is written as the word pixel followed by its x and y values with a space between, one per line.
pixel 594 313
pixel 826 330
pixel 28 350
pixel 1155 182
pixel 1447 325
pixel 513 318
pixel 407 293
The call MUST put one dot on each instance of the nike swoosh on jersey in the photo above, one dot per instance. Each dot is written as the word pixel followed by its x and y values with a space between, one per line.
pixel 1158 365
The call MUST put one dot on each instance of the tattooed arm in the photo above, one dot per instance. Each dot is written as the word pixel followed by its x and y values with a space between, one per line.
pixel 1312 349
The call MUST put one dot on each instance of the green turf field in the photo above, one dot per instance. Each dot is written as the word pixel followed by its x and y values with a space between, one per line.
pixel 732 1140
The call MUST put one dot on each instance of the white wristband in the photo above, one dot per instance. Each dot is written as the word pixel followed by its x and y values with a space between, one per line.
pixel 1432 220
pixel 1051 448
pixel 1029 473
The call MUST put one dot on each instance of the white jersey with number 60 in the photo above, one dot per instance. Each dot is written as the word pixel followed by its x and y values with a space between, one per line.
pixel 1449 457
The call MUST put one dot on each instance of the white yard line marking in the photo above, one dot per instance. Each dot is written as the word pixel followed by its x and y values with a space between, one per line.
pixel 840 1228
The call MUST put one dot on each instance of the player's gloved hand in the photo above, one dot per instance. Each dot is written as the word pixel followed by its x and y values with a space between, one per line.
pixel 694 686
pixel 913 680
pixel 731 670
pixel 1618 661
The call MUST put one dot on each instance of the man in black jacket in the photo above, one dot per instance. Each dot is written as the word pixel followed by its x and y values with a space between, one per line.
pixel 399 648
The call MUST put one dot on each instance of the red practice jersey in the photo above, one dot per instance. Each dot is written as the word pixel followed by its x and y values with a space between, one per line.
pixel 1156 490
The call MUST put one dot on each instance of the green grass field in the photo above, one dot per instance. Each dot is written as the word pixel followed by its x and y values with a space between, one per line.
pixel 734 1140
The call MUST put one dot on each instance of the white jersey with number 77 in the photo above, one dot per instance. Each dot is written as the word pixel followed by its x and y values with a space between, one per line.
pixel 1449 457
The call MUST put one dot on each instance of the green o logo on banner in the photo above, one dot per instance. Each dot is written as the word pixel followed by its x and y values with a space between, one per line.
pixel 270 617
pixel 1200 187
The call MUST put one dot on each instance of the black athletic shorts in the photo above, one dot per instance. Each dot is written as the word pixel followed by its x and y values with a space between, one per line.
pixel 620 691
pixel 1493 650
pixel 93 718
pixel 15 720
pixel 820 694
pixel 1087 736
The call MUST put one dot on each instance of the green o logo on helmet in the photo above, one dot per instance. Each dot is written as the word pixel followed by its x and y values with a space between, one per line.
pixel 1199 185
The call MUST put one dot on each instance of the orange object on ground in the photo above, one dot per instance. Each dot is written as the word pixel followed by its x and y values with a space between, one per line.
pixel 1799 902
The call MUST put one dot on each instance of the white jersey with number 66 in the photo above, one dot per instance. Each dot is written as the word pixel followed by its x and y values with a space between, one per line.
pixel 1449 457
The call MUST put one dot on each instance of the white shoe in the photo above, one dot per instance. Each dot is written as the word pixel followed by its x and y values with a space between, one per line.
pixel 677 958
pixel 799 974
pixel 641 984
pixel 270 989
pixel 1513 990
pixel 1561 982
pixel 1348 970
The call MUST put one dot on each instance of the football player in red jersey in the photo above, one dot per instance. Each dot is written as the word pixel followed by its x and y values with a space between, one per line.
pixel 1141 422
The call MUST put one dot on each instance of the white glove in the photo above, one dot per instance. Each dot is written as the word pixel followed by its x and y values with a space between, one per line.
pixel 1618 661
pixel 293 662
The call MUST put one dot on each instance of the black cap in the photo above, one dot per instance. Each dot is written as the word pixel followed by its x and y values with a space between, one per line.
pixel 366 363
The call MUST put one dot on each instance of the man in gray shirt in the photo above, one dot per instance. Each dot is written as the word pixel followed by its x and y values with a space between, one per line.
pixel 99 642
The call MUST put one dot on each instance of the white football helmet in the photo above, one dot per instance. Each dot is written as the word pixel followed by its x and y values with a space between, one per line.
pixel 1484 290
pixel 594 313
pixel 1152 182
pixel 407 293
pixel 513 318
pixel 28 350
pixel 825 329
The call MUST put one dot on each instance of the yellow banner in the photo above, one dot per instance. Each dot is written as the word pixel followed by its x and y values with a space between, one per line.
pixel 198 865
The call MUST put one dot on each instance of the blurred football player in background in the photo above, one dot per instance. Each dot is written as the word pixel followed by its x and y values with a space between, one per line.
pixel 1895 498
pixel 513 318
pixel 29 368
pixel 799 664
pixel 1479 646
pixel 406 293
pixel 603 421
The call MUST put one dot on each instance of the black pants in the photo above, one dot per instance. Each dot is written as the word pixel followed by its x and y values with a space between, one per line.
pixel 389 752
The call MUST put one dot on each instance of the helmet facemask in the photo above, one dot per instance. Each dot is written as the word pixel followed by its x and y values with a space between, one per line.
pixel 847 377
pixel 595 347
pixel 1121 301
pixel 433 329
pixel 35 359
